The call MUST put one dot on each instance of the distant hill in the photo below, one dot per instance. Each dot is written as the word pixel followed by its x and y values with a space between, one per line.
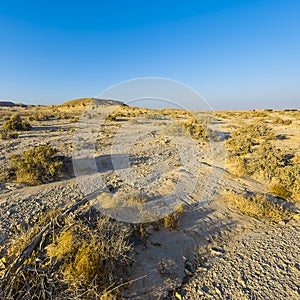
pixel 83 101
pixel 11 104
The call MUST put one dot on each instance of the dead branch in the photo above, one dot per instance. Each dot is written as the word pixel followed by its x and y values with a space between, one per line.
pixel 28 250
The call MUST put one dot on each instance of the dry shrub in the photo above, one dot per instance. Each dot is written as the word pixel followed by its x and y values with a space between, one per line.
pixel 16 123
pixel 279 190
pixel 39 117
pixel 85 257
pixel 154 116
pixel 259 114
pixel 173 112
pixel 279 121
pixel 243 140
pixel 92 252
pixel 277 166
pixel 238 166
pixel 111 118
pixel 195 129
pixel 22 239
pixel 171 221
pixel 63 245
pixel 257 206
pixel 251 152
pixel 35 166
pixel 174 129
pixel 7 135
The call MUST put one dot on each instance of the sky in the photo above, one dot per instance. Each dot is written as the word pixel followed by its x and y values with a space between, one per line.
pixel 237 54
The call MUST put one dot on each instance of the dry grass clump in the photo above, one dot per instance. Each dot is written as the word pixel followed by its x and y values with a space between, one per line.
pixel 173 112
pixel 279 167
pixel 16 123
pixel 243 140
pixel 35 166
pixel 40 116
pixel 174 129
pixel 155 116
pixel 126 112
pixel 7 135
pixel 171 221
pixel 111 118
pixel 279 190
pixel 257 206
pixel 252 153
pixel 280 121
pixel 23 238
pixel 259 114
pixel 92 252
pixel 195 129
pixel 85 256
pixel 190 126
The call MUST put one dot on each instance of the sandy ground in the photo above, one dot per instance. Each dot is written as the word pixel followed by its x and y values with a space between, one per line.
pixel 215 253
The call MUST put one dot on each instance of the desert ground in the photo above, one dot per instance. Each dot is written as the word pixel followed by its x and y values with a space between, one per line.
pixel 149 204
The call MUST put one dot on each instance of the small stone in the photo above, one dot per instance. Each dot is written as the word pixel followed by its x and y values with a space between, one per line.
pixel 22 226
pixel 187 272
pixel 217 251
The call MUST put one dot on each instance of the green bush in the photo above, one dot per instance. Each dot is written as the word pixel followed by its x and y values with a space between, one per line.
pixel 35 166
pixel 16 123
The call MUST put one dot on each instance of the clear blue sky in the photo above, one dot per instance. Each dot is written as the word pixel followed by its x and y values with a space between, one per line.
pixel 237 54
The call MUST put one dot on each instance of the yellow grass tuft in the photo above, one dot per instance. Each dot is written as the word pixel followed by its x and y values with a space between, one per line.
pixel 257 206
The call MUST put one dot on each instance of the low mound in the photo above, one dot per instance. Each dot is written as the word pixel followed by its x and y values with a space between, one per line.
pixel 85 101
pixel 11 104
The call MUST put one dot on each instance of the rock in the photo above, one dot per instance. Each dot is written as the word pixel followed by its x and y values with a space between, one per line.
pixel 21 226
pixel 282 222
pixel 217 251
pixel 187 272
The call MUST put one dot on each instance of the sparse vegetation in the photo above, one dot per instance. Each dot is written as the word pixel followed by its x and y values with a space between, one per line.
pixel 171 221
pixel 244 139
pixel 279 190
pixel 252 153
pixel 89 255
pixel 195 129
pixel 111 118
pixel 257 206
pixel 85 255
pixel 16 123
pixel 92 252
pixel 280 121
pixel 7 135
pixel 35 166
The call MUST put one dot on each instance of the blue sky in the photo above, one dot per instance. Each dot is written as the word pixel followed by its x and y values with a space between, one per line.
pixel 237 54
